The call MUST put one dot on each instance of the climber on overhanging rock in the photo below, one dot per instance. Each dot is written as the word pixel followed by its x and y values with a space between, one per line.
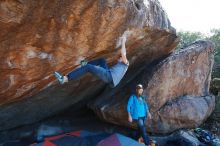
pixel 100 69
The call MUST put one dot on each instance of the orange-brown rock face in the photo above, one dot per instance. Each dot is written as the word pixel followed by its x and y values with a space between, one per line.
pixel 177 90
pixel 39 37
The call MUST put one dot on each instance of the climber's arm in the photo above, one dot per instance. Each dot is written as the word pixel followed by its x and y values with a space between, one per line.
pixel 123 51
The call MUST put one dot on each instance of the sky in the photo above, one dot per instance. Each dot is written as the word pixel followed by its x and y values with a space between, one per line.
pixel 193 15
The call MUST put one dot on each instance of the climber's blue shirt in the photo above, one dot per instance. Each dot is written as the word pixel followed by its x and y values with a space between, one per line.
pixel 137 107
pixel 117 72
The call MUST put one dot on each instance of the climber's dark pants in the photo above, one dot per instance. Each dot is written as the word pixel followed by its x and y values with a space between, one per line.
pixel 97 67
pixel 142 130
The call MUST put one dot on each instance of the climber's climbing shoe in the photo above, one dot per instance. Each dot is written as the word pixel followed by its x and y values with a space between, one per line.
pixel 59 77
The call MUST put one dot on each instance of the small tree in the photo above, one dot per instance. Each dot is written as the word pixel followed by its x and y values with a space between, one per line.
pixel 215 38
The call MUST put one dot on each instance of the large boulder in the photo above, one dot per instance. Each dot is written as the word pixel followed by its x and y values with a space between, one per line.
pixel 177 88
pixel 39 37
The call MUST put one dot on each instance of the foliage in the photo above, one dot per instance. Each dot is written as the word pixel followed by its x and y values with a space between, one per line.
pixel 187 38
